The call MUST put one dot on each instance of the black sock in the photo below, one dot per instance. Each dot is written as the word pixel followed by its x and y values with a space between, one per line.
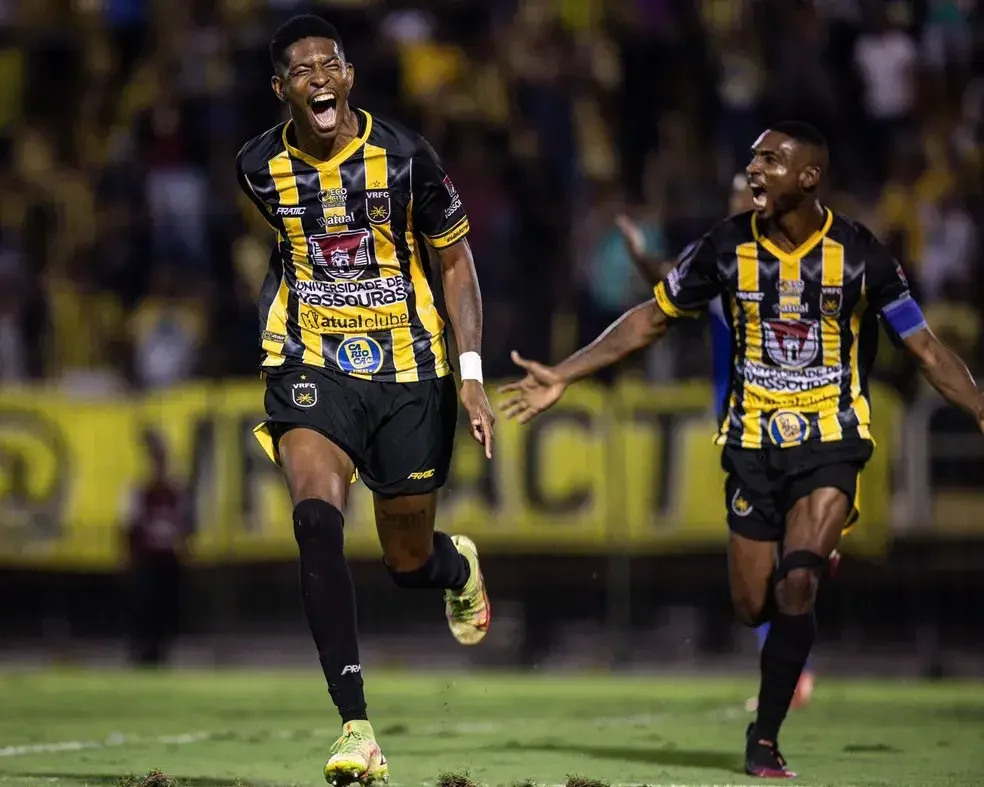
pixel 329 603
pixel 445 569
pixel 783 656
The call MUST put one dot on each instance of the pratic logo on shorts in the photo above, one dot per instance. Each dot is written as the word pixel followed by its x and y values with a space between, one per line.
pixel 336 221
pixel 290 210
pixel 351 669
pixel 789 381
pixel 333 198
pixel 788 428
pixel 793 344
pixel 365 294
pixel 360 355
pixel 421 475
pixel 345 254
pixel 357 323
pixel 378 206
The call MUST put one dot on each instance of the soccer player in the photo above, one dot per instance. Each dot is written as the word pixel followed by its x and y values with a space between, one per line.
pixel 804 289
pixel 654 269
pixel 358 377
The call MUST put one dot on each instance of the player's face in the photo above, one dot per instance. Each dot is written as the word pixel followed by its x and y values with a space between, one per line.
pixel 775 174
pixel 316 84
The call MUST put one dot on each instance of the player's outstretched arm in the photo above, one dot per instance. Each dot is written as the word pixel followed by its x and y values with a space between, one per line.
pixel 946 373
pixel 652 268
pixel 464 301
pixel 544 385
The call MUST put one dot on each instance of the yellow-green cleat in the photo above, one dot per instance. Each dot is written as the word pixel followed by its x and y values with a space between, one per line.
pixel 468 610
pixel 356 757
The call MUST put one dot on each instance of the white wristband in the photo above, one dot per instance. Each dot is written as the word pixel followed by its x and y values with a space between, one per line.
pixel 470 364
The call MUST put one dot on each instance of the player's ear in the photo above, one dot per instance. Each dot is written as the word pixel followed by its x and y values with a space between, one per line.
pixel 279 88
pixel 349 75
pixel 810 178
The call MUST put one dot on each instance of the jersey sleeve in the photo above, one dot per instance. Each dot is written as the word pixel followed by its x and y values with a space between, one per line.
pixel 243 179
pixel 437 209
pixel 887 290
pixel 692 283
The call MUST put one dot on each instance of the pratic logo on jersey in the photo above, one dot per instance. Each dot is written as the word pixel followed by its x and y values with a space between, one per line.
pixel 793 344
pixel 753 296
pixel 290 210
pixel 319 322
pixel 378 206
pixel 359 354
pixel 336 221
pixel 345 254
pixel 333 198
pixel 366 294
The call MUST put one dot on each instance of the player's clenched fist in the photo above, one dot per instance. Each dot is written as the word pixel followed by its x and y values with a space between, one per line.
pixel 538 391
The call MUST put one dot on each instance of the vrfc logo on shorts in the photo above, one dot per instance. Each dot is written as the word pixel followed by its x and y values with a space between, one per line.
pixel 304 394
pixel 739 505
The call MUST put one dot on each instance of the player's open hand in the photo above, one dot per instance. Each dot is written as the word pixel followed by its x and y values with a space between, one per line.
pixel 634 239
pixel 538 391
pixel 480 416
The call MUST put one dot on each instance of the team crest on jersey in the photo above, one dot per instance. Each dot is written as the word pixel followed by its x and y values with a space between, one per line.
pixel 831 299
pixel 378 206
pixel 360 355
pixel 304 394
pixel 792 344
pixel 344 254
pixel 787 428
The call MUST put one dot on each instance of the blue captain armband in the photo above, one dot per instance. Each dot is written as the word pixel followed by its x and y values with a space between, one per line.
pixel 904 316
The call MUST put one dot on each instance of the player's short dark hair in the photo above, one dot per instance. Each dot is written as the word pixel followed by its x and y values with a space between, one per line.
pixel 296 28
pixel 801 132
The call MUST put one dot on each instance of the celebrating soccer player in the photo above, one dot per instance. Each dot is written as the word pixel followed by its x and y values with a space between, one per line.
pixel 804 289
pixel 653 269
pixel 358 377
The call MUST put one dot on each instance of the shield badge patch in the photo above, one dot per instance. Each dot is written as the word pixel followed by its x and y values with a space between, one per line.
pixel 378 206
pixel 304 394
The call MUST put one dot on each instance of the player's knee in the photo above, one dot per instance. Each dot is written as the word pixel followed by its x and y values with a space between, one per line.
pixel 796 579
pixel 318 525
pixel 749 611
pixel 796 593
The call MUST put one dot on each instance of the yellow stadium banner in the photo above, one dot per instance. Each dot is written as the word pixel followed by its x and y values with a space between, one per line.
pixel 629 469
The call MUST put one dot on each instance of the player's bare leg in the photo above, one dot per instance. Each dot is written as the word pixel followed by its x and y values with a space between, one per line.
pixel 318 476
pixel 813 531
pixel 417 556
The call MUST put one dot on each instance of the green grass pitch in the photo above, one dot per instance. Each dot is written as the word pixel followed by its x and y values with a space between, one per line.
pixel 259 728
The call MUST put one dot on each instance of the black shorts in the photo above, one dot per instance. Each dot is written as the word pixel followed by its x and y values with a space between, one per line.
pixel 398 435
pixel 762 485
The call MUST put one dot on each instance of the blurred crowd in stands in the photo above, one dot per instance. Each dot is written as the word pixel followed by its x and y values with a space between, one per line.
pixel 128 259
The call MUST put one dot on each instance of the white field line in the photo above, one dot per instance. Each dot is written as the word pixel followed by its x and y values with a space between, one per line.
pixel 462 728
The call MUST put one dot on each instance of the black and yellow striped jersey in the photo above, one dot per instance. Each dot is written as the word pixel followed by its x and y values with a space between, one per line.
pixel 804 326
pixel 348 287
